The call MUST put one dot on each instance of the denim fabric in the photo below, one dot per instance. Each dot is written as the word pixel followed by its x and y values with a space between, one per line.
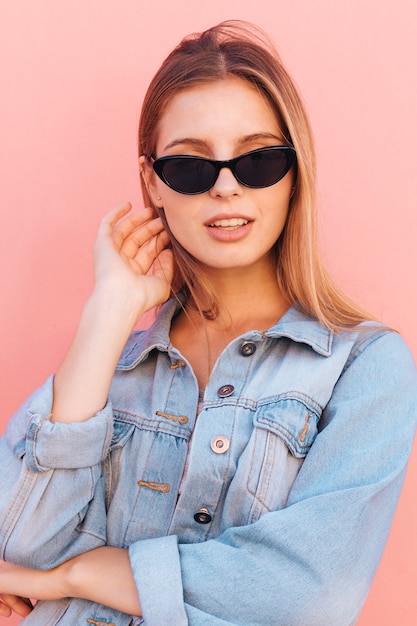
pixel 315 432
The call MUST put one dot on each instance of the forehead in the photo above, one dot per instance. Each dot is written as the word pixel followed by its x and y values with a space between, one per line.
pixel 224 110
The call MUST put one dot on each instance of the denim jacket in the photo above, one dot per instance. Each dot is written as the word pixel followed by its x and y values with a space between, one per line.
pixel 294 470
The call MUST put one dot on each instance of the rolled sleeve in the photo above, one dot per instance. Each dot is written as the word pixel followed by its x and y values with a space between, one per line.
pixel 53 445
pixel 52 484
pixel 157 573
pixel 68 446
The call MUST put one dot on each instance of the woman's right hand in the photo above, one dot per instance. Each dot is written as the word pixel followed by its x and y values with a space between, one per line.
pixel 132 260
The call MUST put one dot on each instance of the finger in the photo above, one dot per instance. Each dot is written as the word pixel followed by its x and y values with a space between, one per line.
pixel 21 606
pixel 117 213
pixel 124 227
pixel 163 266
pixel 149 251
pixel 5 611
pixel 147 233
pixel 111 219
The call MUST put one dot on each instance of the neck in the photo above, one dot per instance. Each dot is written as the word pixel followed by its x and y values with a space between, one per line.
pixel 248 298
pixel 247 301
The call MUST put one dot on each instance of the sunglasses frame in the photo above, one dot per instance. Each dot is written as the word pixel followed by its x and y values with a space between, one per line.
pixel 158 165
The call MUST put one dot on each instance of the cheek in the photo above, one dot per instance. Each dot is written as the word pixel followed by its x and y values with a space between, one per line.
pixel 175 217
pixel 275 209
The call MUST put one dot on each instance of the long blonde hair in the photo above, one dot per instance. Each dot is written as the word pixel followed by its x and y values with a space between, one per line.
pixel 239 49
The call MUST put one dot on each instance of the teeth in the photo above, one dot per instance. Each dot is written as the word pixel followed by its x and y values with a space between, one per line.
pixel 234 221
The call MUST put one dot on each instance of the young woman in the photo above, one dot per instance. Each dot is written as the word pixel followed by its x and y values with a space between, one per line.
pixel 239 462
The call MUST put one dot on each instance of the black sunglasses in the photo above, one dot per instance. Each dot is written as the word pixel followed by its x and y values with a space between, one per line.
pixel 256 169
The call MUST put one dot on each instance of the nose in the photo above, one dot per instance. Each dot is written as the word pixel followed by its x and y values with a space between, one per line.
pixel 226 184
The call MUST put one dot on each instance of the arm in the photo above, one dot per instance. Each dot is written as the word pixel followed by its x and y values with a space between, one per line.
pixel 84 577
pixel 314 561
pixel 41 456
pixel 125 252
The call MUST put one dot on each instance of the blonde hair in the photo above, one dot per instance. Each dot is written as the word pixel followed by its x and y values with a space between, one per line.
pixel 239 49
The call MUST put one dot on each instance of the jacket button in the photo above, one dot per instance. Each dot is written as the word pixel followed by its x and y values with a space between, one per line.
pixel 219 444
pixel 247 348
pixel 203 517
pixel 225 391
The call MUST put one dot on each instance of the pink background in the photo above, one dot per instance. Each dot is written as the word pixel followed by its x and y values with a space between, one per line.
pixel 72 78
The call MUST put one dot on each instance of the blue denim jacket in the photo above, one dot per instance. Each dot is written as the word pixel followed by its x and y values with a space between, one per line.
pixel 294 471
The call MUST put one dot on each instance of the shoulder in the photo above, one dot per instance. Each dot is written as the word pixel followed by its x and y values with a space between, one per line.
pixel 380 372
pixel 376 343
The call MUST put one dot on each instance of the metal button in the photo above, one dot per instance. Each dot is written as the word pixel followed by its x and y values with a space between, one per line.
pixel 225 391
pixel 220 444
pixel 203 517
pixel 247 348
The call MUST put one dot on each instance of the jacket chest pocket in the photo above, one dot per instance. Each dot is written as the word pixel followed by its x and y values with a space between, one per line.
pixel 284 431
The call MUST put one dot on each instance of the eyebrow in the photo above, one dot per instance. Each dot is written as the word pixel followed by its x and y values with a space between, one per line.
pixel 200 143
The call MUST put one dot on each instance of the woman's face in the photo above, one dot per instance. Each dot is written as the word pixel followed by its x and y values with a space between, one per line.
pixel 230 226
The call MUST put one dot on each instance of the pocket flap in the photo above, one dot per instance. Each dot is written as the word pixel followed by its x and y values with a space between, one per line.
pixel 293 417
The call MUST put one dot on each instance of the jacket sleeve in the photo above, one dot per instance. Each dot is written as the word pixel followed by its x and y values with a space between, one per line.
pixel 51 484
pixel 313 561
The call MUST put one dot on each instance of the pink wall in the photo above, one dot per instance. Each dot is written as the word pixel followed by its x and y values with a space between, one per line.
pixel 73 74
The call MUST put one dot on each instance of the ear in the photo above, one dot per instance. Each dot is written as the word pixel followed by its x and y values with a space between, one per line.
pixel 150 181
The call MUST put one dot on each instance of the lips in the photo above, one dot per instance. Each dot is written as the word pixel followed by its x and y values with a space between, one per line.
pixel 227 229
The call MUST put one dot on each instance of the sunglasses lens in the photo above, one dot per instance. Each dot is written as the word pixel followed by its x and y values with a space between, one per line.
pixel 189 175
pixel 264 167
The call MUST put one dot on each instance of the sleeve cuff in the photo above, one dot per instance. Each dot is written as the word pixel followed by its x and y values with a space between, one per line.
pixel 54 445
pixel 157 572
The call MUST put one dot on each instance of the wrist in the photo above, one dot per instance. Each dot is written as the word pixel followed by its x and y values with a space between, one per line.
pixel 69 578
pixel 122 307
pixel 102 575
pixel 83 379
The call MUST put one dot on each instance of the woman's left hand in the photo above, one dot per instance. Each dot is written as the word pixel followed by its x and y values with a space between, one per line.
pixel 10 604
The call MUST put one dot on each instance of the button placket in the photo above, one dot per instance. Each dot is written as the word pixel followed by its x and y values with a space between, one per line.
pixel 196 512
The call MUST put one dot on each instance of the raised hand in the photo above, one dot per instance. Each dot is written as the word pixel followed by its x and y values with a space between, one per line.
pixel 132 259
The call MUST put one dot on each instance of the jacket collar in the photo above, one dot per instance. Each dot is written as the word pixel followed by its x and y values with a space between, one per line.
pixel 141 342
pixel 301 328
pixel 294 325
